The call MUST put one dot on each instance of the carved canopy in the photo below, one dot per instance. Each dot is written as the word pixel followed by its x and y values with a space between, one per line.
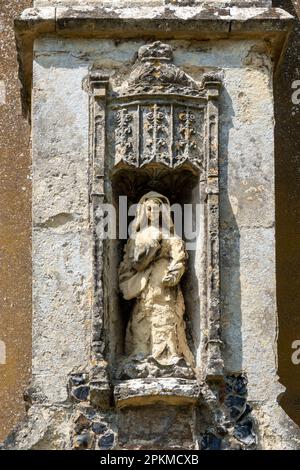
pixel 160 113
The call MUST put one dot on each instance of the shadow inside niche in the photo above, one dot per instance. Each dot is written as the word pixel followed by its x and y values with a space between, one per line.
pixel 287 164
pixel 177 186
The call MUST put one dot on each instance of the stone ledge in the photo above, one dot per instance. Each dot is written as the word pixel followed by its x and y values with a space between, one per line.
pixel 142 392
pixel 204 23
pixel 152 3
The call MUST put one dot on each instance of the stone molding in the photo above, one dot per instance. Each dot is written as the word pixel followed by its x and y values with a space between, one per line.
pixel 155 3
pixel 163 22
pixel 148 92
pixel 142 392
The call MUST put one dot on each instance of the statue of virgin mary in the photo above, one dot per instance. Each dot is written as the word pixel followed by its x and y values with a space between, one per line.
pixel 153 264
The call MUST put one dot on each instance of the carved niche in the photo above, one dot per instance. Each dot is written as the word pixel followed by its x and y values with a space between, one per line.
pixel 162 124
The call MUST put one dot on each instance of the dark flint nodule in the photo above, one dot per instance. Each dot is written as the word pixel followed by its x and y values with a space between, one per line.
pixel 81 393
pixel 211 442
pixel 243 432
pixel 99 428
pixel 106 442
pixel 233 401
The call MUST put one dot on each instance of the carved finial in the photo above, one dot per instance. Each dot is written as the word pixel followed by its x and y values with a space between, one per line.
pixel 156 51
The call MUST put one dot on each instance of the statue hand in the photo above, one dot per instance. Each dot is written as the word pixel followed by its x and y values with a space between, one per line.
pixel 144 255
pixel 173 275
pixel 170 279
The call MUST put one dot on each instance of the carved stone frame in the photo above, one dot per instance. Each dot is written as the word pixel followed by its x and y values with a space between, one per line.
pixel 212 367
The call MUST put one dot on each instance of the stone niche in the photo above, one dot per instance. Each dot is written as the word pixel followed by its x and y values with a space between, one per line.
pixel 163 129
pixel 177 101
pixel 155 130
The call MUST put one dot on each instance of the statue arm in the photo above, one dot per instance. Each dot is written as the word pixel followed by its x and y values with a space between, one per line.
pixel 177 264
pixel 137 258
pixel 144 254
pixel 132 281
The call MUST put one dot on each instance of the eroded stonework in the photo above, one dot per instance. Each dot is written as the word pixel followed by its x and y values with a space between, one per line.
pixel 161 115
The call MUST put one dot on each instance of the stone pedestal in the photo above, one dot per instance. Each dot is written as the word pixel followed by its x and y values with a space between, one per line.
pixel 143 392
pixel 80 59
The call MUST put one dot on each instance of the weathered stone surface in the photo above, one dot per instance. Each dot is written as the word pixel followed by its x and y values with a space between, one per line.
pixel 53 355
pixel 164 427
pixel 140 366
pixel 42 429
pixel 142 392
pixel 101 395
pixel 246 68
pixel 211 19
pixel 15 229
pixel 130 3
pixel 61 239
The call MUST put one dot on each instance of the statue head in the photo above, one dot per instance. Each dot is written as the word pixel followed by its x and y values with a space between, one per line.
pixel 154 210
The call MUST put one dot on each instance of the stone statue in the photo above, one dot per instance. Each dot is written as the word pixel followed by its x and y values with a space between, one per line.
pixel 153 264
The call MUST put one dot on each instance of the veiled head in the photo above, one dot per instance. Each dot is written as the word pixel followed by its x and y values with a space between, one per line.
pixel 154 210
